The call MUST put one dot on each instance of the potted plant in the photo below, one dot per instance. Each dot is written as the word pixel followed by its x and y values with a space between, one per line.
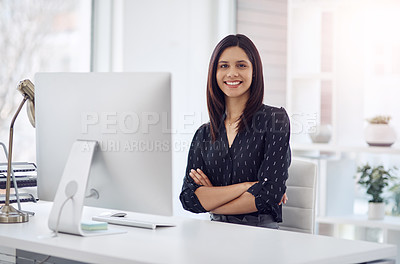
pixel 378 132
pixel 375 180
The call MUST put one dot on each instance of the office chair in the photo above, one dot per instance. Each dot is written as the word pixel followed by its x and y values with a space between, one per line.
pixel 298 213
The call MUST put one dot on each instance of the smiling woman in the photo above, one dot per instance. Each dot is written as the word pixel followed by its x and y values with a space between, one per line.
pixel 238 162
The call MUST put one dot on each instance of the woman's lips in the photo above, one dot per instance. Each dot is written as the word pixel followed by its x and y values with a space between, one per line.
pixel 232 84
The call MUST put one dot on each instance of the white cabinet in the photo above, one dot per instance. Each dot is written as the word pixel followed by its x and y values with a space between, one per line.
pixel 7 255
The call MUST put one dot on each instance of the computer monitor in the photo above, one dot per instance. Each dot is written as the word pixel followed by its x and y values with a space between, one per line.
pixel 129 114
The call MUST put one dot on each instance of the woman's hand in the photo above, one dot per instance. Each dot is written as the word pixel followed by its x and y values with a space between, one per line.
pixel 284 199
pixel 200 178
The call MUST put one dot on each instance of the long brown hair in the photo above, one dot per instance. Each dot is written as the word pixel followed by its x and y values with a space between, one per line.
pixel 216 98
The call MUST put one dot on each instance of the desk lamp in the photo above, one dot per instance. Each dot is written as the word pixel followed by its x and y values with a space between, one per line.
pixel 8 214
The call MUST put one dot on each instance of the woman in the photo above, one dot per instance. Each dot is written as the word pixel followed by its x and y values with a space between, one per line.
pixel 238 162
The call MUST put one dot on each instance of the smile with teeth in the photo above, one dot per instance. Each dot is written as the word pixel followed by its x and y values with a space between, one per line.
pixel 233 83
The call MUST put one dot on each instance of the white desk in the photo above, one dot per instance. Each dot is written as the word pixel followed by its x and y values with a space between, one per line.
pixel 191 241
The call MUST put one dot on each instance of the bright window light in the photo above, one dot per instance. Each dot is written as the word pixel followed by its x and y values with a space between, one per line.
pixel 38 36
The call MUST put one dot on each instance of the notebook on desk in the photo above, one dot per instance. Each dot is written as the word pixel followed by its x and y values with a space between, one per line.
pixel 128 221
pixel 22 181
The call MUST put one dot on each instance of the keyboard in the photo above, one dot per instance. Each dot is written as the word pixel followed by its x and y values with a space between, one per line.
pixel 126 221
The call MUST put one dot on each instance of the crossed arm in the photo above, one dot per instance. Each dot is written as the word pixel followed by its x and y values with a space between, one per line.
pixel 231 199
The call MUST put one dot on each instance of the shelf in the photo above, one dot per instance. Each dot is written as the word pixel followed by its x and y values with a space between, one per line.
pixel 389 222
pixel 336 148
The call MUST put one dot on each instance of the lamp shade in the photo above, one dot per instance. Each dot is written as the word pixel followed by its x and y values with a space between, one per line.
pixel 27 88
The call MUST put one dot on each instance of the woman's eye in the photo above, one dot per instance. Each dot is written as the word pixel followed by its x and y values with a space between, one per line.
pixel 223 66
pixel 242 65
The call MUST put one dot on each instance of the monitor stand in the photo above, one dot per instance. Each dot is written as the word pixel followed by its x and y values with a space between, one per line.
pixel 66 213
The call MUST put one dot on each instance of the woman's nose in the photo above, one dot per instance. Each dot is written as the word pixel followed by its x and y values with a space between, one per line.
pixel 233 72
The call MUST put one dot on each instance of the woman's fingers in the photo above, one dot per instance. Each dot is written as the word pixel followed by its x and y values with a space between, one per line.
pixel 193 174
pixel 200 178
pixel 206 179
pixel 197 177
pixel 284 199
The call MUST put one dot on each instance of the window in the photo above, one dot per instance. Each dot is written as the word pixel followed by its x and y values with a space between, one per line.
pixel 38 36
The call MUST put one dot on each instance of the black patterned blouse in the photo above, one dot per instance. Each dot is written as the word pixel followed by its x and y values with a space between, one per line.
pixel 261 152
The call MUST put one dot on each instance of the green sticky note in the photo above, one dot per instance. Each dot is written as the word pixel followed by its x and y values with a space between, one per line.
pixel 94 225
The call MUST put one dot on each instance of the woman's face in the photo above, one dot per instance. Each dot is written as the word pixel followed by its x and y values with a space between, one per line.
pixel 234 73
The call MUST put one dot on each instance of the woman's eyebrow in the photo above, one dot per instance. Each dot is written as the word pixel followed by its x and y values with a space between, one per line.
pixel 239 61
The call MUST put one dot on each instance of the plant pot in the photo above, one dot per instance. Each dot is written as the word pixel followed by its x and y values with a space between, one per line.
pixel 376 211
pixel 381 135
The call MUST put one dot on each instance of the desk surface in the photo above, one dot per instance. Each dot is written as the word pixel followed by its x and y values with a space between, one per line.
pixel 191 241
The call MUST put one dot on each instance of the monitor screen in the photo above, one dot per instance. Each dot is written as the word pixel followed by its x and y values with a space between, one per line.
pixel 129 115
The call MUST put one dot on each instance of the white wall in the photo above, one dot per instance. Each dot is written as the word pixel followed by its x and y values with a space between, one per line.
pixel 175 36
